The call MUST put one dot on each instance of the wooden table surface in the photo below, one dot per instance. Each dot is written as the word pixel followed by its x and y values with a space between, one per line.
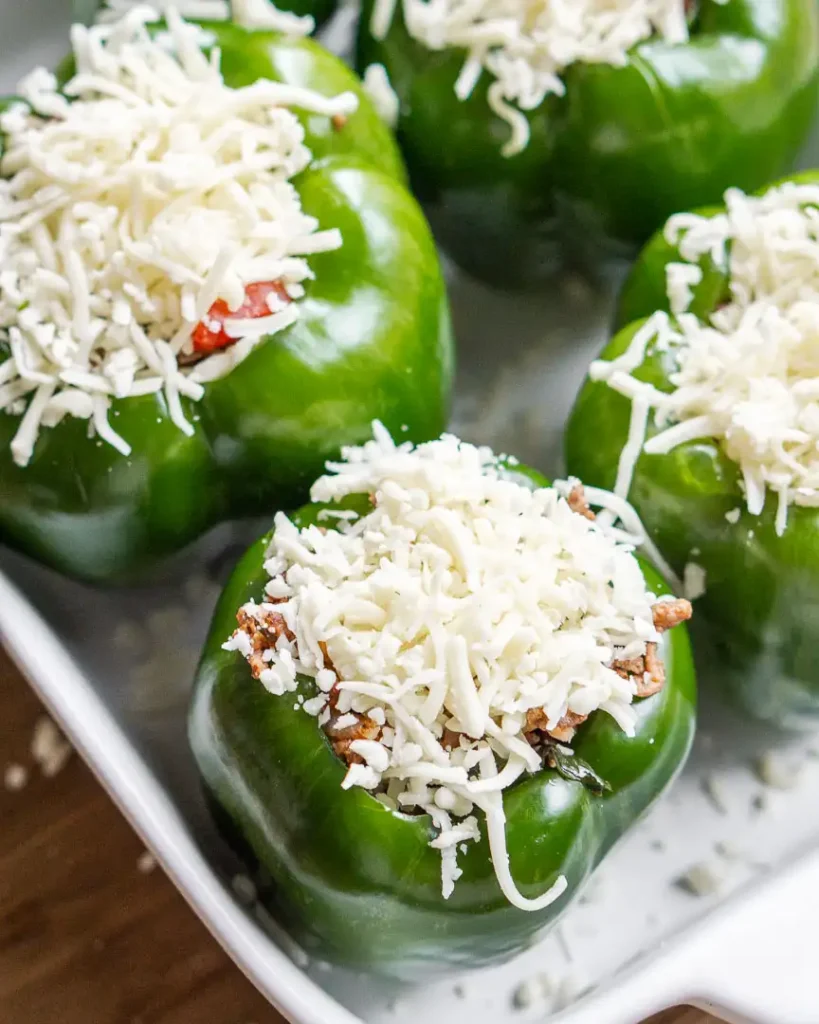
pixel 86 937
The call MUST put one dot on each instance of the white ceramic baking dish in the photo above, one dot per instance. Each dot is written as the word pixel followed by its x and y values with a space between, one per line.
pixel 115 667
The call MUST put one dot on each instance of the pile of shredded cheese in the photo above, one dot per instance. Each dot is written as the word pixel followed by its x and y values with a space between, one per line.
pixel 252 14
pixel 749 377
pixel 130 202
pixel 526 45
pixel 462 600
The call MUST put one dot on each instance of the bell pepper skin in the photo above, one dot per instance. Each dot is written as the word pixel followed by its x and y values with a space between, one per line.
pixel 357 884
pixel 758 621
pixel 320 10
pixel 373 341
pixel 623 149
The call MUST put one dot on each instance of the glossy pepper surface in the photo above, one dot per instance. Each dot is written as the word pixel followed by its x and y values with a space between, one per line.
pixel 356 883
pixel 372 341
pixel 318 9
pixel 761 603
pixel 621 151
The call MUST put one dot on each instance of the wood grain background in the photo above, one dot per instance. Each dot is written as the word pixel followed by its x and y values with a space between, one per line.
pixel 85 936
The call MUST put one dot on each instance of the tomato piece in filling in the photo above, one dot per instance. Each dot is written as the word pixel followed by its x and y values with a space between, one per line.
pixel 207 340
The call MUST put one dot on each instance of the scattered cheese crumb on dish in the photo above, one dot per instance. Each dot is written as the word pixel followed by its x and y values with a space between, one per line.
pixel 779 770
pixel 533 992
pixel 526 45
pixel 701 880
pixel 748 377
pixel 728 851
pixel 458 631
pixel 570 989
pixel 150 235
pixel 714 788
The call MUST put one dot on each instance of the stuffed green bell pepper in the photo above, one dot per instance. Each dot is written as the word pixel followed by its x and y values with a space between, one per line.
pixel 704 411
pixel 212 277
pixel 525 130
pixel 449 693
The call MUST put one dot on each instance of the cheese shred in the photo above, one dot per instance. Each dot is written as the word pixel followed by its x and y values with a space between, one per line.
pixel 459 603
pixel 132 200
pixel 379 89
pixel 748 377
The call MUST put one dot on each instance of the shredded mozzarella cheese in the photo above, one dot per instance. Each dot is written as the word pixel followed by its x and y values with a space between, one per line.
pixel 695 579
pixel 254 14
pixel 130 202
pixel 749 377
pixel 204 10
pixel 378 88
pixel 462 600
pixel 526 45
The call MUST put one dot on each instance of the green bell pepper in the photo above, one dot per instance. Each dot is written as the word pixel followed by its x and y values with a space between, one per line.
pixel 356 883
pixel 759 615
pixel 319 10
pixel 625 148
pixel 373 340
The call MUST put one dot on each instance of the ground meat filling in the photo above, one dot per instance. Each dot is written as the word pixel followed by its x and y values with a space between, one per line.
pixel 646 672
pixel 668 614
pixel 263 632
pixel 364 728
pixel 576 501
pixel 537 726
